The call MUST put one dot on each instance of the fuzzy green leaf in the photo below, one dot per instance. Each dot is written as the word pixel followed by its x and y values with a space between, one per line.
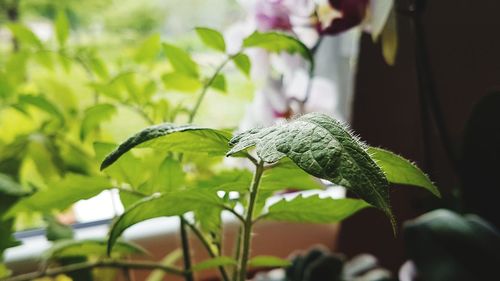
pixel 181 61
pixel 41 103
pixel 89 247
pixel 268 261
pixel 170 137
pixel 278 42
pixel 324 148
pixel 212 38
pixel 243 63
pixel 7 239
pixel 25 35
pixel 94 116
pixel 288 175
pixel 181 82
pixel 58 231
pixel 314 209
pixel 399 170
pixel 165 205
pixel 219 83
pixel 214 262
pixel 149 49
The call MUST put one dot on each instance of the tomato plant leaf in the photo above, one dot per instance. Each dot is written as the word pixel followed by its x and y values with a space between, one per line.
pixel 180 82
pixel 94 116
pixel 268 261
pixel 276 42
pixel 324 148
pixel 314 209
pixel 243 63
pixel 212 38
pixel 399 170
pixel 287 174
pixel 214 262
pixel 181 61
pixel 61 26
pixel 149 49
pixel 219 83
pixel 164 205
pixel 176 138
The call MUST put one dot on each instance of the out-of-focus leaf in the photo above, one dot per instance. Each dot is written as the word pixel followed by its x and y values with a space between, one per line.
pixel 57 231
pixel 165 205
pixel 180 82
pixel 62 194
pixel 181 61
pixel 243 63
pixel 399 170
pixel 61 26
pixel 4 271
pixel 287 175
pixel 232 180
pixel 390 39
pixel 214 262
pixel 41 103
pixel 24 35
pixel 268 261
pixel 324 148
pixel 94 116
pixel 88 247
pixel 212 38
pixel 7 240
pixel 169 177
pixel 219 83
pixel 149 49
pixel 278 42
pixel 314 209
pixel 169 137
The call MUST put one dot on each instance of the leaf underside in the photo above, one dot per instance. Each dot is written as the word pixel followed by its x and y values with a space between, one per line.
pixel 324 148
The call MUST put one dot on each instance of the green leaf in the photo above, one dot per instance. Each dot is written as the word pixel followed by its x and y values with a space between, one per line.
pixel 41 103
pixel 4 271
pixel 287 174
pixel 9 187
pixel 390 39
pixel 24 35
pixel 88 247
pixel 212 38
pixel 165 205
pixel 278 42
pixel 214 262
pixel 57 231
pixel 232 180
pixel 219 83
pixel 268 261
pixel 170 137
pixel 181 61
pixel 94 116
pixel 324 148
pixel 62 194
pixel 314 209
pixel 243 63
pixel 149 49
pixel 61 27
pixel 180 82
pixel 399 170
pixel 169 177
pixel 7 240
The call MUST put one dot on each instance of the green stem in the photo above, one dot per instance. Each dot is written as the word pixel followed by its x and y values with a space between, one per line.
pixel 247 226
pixel 206 86
pixel 237 251
pixel 185 250
pixel 97 264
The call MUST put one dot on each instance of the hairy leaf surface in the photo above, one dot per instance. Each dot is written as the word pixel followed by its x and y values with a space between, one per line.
pixel 399 170
pixel 324 148
pixel 314 209
pixel 170 137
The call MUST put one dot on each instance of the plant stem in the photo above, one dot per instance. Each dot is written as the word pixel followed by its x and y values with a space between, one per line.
pixel 186 255
pixel 206 86
pixel 247 226
pixel 237 249
pixel 89 265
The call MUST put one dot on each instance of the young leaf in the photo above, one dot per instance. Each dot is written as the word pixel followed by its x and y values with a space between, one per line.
pixel 219 83
pixel 170 137
pixel 169 177
pixel 88 247
pixel 165 205
pixel 399 170
pixel 94 116
pixel 235 180
pixel 212 38
pixel 149 49
pixel 243 63
pixel 324 148
pixel 62 194
pixel 181 61
pixel 268 261
pixel 314 209
pixel 180 82
pixel 278 42
pixel 61 27
pixel 41 103
pixel 25 35
pixel 214 262
pixel 57 231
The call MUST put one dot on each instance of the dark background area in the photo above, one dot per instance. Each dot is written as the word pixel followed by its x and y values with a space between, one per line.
pixel 463 40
